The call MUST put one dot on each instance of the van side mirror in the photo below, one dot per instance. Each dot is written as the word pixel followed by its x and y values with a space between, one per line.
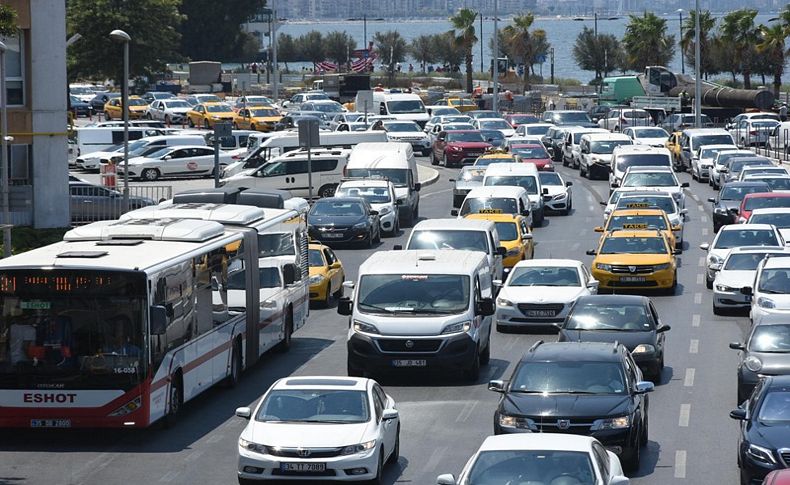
pixel 397 247
pixel 568 184
pixel 590 252
pixel 485 307
pixel 684 185
pixel 245 413
pixel 345 306
pixel 158 320
pixel 747 290
pixel 417 186
pixel 501 251
pixel 545 191
pixel 454 212
pixel 289 274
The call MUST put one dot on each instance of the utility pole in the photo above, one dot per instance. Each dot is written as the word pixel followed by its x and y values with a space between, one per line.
pixel 495 102
pixel 482 67
pixel 697 80
pixel 680 42
pixel 275 69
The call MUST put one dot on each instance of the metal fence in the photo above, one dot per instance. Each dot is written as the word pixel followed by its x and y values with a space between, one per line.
pixel 90 203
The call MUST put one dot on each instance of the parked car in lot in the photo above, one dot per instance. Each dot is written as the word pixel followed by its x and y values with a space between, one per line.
pixel 113 109
pixel 151 96
pixel 80 107
pixel 90 203
pixel 175 161
pixel 98 101
pixel 301 428
pixel 206 115
pixel 168 110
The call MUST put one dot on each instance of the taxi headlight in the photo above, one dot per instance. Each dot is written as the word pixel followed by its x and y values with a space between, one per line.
pixel 458 327
pixel 359 448
pixel 524 424
pixel 661 267
pixel 611 423
pixel 603 266
pixel 644 349
pixel 503 302
pixel 753 364
pixel 766 303
pixel 316 279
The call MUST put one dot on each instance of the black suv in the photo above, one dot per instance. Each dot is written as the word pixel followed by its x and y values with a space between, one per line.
pixel 764 444
pixel 593 389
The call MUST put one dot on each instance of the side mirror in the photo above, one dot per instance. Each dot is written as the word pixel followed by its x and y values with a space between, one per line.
pixel 245 413
pixel 724 170
pixel 590 252
pixel 398 247
pixel 734 210
pixel 345 306
pixel 389 414
pixel 168 157
pixel 643 387
pixel 712 199
pixel 454 212
pixel 663 328
pixel 501 251
pixel 289 274
pixel 451 180
pixel 526 237
pixel 603 203
pixel 568 184
pixel 485 307
pixel 598 229
pixel 497 283
pixel 335 265
pixel 683 212
pixel 615 185
pixel 677 251
pixel 417 187
pixel 684 185
pixel 497 386
pixel 446 479
pixel 737 346
pixel 676 228
pixel 704 246
pixel 545 191
pixel 592 285
pixel 739 414
pixel 158 320
pixel 525 213
pixel 747 290
pixel 373 213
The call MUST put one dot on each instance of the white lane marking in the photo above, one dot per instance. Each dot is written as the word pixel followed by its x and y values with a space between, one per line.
pixel 435 458
pixel 466 412
pixel 194 455
pixel 695 319
pixel 701 208
pixel 575 245
pixel 700 277
pixel 701 262
pixel 694 196
pixel 437 192
pixel 704 231
pixel 169 476
pixel 685 415
pixel 693 346
pixel 689 380
pixel 697 298
pixel 703 218
pixel 680 464
pixel 214 438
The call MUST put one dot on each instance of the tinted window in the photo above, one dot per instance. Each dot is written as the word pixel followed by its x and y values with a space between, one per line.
pixel 744 261
pixel 550 178
pixel 729 192
pixel 569 377
pixel 746 237
pixel 775 407
pixel 328 207
pixel 774 281
pixel 305 405
pixel 594 316
pixel 531 467
pixel 414 293
pixel 528 182
pixel 507 231
pixel 633 245
pixel 766 202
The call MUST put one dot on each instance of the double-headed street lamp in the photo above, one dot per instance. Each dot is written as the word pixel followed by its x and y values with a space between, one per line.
pixel 121 36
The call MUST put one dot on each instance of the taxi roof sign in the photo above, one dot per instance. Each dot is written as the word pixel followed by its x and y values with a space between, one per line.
pixel 638 205
pixel 489 211
pixel 635 226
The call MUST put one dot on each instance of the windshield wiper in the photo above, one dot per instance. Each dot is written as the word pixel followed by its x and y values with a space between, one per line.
pixel 377 308
pixel 774 292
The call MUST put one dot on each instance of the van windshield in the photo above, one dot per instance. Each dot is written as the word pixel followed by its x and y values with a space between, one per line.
pixel 398 176
pixel 698 141
pixel 405 106
pixel 606 147
pixel 449 239
pixel 414 293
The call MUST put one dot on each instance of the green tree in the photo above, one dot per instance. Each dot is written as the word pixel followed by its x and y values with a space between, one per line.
pixel 8 19
pixel 464 34
pixel 739 36
pixel 647 43
pixel 311 46
pixel 602 54
pixel 448 52
pixel 524 45
pixel 392 49
pixel 423 50
pixel 287 50
pixel 338 46
pixel 707 24
pixel 154 36
pixel 212 30
pixel 771 45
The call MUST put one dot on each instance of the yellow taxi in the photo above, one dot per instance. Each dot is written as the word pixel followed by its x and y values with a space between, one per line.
pixel 514 236
pixel 461 104
pixel 257 118
pixel 635 259
pixel 673 145
pixel 641 219
pixel 495 155
pixel 207 114
pixel 113 109
pixel 326 274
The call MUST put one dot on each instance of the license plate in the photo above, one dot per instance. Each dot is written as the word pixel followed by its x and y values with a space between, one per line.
pixel 303 467
pixel 409 363
pixel 332 235
pixel 541 313
pixel 50 423
pixel 632 279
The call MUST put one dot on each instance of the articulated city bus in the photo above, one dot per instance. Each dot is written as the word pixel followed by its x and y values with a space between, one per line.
pixel 125 321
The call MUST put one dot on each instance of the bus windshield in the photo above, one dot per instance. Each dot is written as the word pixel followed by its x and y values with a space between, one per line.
pixel 72 329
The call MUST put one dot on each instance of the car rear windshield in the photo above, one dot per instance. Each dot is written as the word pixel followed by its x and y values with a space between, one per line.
pixel 778 184
pixel 571 377
pixel 606 147
pixel 698 141
pixel 659 202
pixel 537 130
pixel 489 205
pixel 598 317
pixel 766 202
pixel 571 118
pixel 528 182
pixel 530 153
pixel 642 160
pixel 746 237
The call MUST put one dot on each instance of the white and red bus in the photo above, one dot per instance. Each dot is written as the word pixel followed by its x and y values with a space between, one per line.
pixel 125 321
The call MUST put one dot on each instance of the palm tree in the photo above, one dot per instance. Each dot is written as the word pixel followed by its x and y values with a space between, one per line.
pixel 602 54
pixel 392 48
pixel 464 35
pixel 647 43
pixel 338 46
pixel 423 50
pixel 525 45
pixel 739 35
pixel 707 24
pixel 771 45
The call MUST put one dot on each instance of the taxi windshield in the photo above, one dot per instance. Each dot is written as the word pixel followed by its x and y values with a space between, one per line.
pixel 218 108
pixel 264 113
pixel 507 231
pixel 745 237
pixel 654 179
pixel 774 281
pixel 634 245
pixel 744 261
pixel 544 276
pixel 631 222
pixel 664 203
pixel 489 205
pixel 766 202
pixel 528 182
pixel 449 239
pixel 781 221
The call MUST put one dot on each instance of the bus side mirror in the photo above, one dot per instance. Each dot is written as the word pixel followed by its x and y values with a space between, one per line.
pixel 289 274
pixel 158 320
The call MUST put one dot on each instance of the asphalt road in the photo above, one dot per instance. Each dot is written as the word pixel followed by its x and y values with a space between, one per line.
pixel 692 439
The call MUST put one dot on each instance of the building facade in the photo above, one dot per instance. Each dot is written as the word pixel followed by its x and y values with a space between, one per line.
pixel 35 71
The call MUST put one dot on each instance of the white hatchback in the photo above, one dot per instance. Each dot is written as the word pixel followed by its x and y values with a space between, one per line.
pixel 319 428
pixel 734 236
pixel 737 271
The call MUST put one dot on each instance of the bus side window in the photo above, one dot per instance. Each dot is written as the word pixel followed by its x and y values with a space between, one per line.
pixel 202 293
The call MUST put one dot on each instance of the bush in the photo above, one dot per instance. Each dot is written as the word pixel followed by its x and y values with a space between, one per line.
pixel 27 238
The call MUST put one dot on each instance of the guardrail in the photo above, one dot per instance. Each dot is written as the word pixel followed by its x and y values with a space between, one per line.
pixel 91 203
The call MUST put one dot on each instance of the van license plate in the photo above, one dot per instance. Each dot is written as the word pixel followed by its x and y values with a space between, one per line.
pixel 632 279
pixel 303 467
pixel 50 423
pixel 409 363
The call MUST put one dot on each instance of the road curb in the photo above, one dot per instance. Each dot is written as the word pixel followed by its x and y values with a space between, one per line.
pixel 433 175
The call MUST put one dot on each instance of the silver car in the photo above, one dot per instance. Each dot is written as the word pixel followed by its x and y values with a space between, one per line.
pixel 765 353
pixel 468 178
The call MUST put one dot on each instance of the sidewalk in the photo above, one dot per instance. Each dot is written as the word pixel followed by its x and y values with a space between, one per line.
pixel 427 175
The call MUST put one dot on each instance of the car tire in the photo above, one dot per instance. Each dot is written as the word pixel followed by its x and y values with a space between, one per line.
pixel 206 125
pixel 235 366
pixel 426 152
pixel 434 160
pixel 380 471
pixel 708 283
pixel 327 190
pixel 288 330
pixel 378 235
pixel 354 371
pixel 485 356
pixel 339 293
pixel 445 161
pixel 150 174
pixel 393 458
pixel 643 438
pixel 632 456
pixel 190 123
pixel 472 373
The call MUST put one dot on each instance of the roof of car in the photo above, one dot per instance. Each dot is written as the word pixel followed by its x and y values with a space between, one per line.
pixel 365 183
pixel 494 217
pixel 744 183
pixel 322 382
pixel 649 168
pixel 527 263
pixel 454 224
pixel 498 191
pixel 614 299
pixel 600 136
pixel 423 261
pixel 538 441
pixel 777 262
pixel 572 351
pixel 747 227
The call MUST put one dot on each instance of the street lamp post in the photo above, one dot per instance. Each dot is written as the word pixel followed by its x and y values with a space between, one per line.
pixel 4 156
pixel 680 42
pixel 121 36
pixel 495 101
pixel 697 80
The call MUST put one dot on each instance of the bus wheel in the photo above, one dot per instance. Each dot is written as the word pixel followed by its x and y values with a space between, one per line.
pixel 235 366
pixel 288 328
pixel 175 401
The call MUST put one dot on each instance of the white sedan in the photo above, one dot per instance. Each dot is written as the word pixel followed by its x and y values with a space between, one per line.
pixel 540 458
pixel 319 428
pixel 560 196
pixel 168 110
pixel 178 161
pixel 540 292
pixel 737 271
pixel 734 236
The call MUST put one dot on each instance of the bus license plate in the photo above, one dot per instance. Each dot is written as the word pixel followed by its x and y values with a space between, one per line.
pixel 409 363
pixel 303 467
pixel 632 279
pixel 50 423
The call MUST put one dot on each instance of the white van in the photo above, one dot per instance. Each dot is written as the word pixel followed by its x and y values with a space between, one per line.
pixel 520 175
pixel 466 234
pixel 289 172
pixel 496 200
pixel 401 106
pixel 137 148
pixel 93 139
pixel 396 162
pixel 435 316
pixel 277 145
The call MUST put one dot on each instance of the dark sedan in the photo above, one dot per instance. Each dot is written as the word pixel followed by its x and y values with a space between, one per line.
pixel 98 101
pixel 335 220
pixel 631 320
pixel 592 389
pixel 79 107
pixel 766 352
pixel 90 203
pixel 568 117
pixel 727 203
pixel 764 443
